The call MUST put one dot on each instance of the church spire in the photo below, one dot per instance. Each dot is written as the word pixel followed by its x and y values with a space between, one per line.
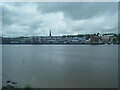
pixel 50 33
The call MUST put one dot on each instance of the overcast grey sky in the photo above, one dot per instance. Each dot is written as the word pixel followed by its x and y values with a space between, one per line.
pixel 62 18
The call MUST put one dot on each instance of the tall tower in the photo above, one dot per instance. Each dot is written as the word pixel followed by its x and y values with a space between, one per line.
pixel 50 33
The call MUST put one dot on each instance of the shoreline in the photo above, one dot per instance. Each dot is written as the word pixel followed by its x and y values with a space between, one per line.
pixel 57 44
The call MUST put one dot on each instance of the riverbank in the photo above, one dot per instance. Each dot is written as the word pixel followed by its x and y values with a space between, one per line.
pixel 59 44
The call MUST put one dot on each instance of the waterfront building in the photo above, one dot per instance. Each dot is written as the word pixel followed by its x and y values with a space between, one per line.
pixel 95 39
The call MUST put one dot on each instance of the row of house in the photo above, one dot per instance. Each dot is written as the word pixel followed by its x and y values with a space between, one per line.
pixel 62 39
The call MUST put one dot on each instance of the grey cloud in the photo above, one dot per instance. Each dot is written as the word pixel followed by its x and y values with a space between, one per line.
pixel 6 17
pixel 61 18
pixel 79 10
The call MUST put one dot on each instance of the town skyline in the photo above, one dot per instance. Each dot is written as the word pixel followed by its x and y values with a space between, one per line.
pixel 96 38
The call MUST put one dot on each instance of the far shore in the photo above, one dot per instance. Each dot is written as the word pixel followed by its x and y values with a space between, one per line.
pixel 58 44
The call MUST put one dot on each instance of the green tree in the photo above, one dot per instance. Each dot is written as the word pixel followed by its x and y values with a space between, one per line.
pixel 119 38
